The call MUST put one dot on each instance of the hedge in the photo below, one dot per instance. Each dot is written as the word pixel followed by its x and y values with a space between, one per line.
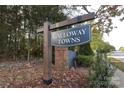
pixel 85 61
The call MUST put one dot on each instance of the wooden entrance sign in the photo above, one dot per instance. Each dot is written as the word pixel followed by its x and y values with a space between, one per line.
pixel 46 29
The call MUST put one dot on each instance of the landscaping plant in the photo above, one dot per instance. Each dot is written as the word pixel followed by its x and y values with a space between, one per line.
pixel 101 72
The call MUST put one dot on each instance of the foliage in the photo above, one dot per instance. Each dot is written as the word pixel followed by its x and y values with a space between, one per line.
pixel 106 47
pixel 71 48
pixel 104 15
pixel 121 49
pixel 3 35
pixel 85 49
pixel 85 61
pixel 18 25
pixel 18 28
pixel 101 72
pixel 98 44
pixel 96 39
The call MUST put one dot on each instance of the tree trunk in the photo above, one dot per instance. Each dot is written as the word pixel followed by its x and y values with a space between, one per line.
pixel 28 58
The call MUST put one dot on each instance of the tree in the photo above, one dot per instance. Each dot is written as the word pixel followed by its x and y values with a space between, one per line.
pixel 97 41
pixel 121 49
pixel 98 44
pixel 18 21
pixel 3 35
pixel 104 15
pixel 85 49
pixel 19 25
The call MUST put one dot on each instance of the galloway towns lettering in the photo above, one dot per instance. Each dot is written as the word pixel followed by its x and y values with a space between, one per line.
pixel 71 37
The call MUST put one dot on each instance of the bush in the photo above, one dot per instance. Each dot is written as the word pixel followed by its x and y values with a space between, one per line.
pixel 101 73
pixel 85 61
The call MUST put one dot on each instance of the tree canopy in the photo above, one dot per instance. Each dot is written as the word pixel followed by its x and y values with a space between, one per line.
pixel 18 28
pixel 121 49
pixel 98 44
pixel 19 23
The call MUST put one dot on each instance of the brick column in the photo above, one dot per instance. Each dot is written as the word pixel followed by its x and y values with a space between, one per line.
pixel 61 58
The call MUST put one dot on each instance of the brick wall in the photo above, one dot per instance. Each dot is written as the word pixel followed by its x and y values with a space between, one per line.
pixel 61 58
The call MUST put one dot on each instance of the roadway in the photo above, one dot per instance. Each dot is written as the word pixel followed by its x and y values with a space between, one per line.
pixel 118 77
pixel 118 54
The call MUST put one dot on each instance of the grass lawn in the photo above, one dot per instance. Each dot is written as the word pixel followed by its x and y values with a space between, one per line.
pixel 117 63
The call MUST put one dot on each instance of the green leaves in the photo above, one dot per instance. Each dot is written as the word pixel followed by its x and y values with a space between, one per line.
pixel 121 49
pixel 105 14
pixel 19 22
pixel 101 72
pixel 98 44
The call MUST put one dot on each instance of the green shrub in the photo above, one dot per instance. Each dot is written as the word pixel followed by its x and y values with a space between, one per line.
pixel 85 61
pixel 101 73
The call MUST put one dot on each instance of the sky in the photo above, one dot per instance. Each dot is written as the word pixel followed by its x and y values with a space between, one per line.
pixel 116 36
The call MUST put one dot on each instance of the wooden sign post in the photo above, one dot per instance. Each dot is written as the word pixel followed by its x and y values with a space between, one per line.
pixel 47 54
pixel 47 58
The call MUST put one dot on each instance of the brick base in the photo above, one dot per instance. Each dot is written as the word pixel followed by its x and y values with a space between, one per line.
pixel 61 58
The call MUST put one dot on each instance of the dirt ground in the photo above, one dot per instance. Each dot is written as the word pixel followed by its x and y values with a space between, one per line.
pixel 22 74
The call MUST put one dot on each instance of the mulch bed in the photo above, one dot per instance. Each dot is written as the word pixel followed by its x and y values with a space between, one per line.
pixel 30 76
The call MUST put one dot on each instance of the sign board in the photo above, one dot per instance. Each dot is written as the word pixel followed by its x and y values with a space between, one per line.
pixel 71 37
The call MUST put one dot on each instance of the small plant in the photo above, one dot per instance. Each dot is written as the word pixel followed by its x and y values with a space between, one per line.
pixel 101 72
pixel 85 61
